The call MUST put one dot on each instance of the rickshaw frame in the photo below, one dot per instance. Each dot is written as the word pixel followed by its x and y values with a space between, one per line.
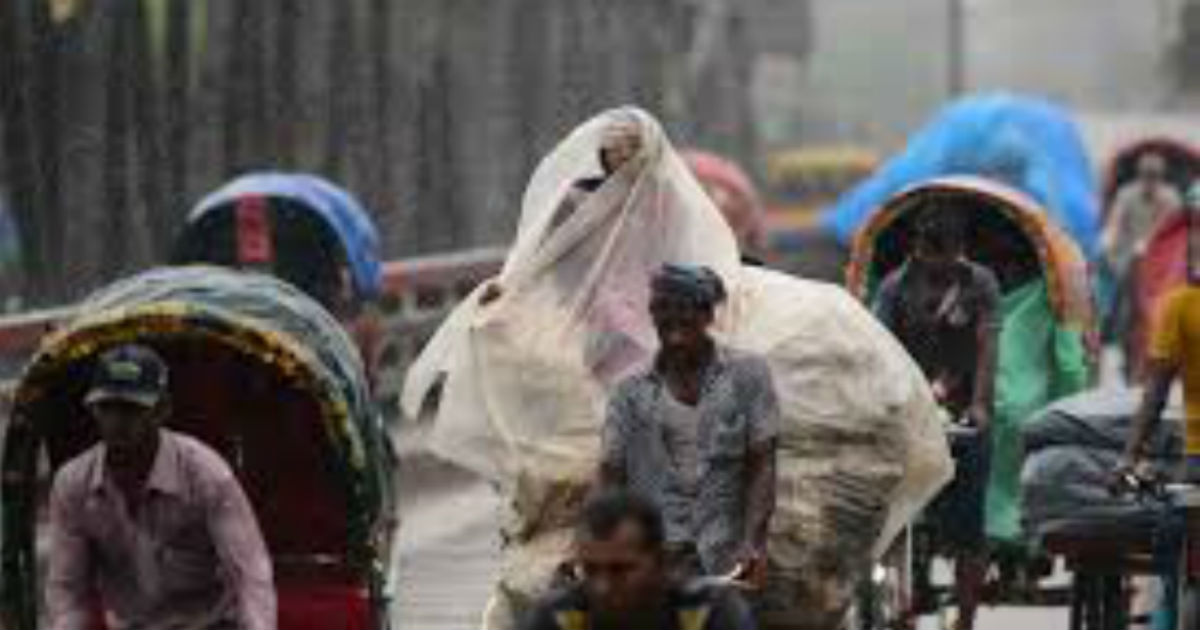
pixel 1130 293
pixel 357 458
pixel 1062 266
pixel 1102 565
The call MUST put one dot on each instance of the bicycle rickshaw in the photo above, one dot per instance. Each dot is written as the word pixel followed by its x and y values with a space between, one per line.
pixel 300 228
pixel 266 377
pixel 1182 165
pixel 1161 266
pixel 1046 346
pixel 1107 538
pixel 1027 143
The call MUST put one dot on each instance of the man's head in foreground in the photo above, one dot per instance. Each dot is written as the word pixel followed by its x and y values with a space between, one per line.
pixel 619 553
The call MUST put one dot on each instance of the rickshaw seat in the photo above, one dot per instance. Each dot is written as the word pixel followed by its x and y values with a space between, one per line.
pixel 319 592
pixel 284 471
pixel 96 613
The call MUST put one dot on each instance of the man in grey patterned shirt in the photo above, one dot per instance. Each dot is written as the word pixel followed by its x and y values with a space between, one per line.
pixel 697 433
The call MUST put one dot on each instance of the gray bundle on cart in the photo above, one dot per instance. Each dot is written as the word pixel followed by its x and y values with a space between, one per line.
pixel 1071 450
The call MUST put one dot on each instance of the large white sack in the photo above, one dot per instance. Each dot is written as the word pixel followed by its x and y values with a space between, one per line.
pixel 861 447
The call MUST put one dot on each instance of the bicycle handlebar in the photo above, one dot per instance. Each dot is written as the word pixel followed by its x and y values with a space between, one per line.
pixel 1142 485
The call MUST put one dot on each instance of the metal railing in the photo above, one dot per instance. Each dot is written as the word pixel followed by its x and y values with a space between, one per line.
pixel 417 294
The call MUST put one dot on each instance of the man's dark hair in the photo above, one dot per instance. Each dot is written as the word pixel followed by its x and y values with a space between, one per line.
pixel 606 512
pixel 699 284
pixel 940 229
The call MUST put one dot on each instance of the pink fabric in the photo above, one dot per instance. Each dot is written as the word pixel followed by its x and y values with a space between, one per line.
pixel 744 209
pixel 191 557
pixel 715 169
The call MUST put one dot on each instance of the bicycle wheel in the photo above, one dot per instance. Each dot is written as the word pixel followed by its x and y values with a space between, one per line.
pixel 865 613
pixel 923 596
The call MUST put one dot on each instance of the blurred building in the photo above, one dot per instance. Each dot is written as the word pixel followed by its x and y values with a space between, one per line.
pixel 878 68
pixel 1184 55
pixel 732 93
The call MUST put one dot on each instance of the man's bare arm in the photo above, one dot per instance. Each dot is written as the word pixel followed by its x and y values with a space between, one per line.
pixel 984 390
pixel 760 493
pixel 611 472
pixel 1154 399
pixel 987 341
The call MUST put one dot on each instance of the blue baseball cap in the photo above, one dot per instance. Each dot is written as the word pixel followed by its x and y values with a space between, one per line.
pixel 131 373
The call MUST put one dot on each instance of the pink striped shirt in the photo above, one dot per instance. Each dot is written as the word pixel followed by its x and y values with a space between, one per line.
pixel 191 558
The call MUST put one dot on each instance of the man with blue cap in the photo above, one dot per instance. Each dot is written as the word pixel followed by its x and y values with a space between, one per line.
pixel 152 520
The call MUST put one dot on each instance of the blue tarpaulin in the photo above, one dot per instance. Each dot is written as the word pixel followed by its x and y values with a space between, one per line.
pixel 1028 143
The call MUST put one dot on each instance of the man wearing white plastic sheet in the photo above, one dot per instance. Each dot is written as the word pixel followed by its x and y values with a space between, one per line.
pixel 525 374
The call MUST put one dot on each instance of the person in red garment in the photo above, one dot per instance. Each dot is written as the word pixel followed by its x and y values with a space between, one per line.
pixel 1138 207
pixel 152 520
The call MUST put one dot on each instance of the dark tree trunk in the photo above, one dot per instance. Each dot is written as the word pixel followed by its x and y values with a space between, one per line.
pixel 340 60
pixel 80 108
pixel 116 151
pixel 256 117
pixel 528 77
pixel 285 108
pixel 47 58
pixel 20 169
pixel 381 37
pixel 246 116
pixel 437 171
pixel 176 117
pixel 234 102
pixel 151 156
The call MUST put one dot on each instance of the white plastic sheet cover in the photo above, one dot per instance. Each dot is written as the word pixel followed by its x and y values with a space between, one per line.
pixel 525 375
